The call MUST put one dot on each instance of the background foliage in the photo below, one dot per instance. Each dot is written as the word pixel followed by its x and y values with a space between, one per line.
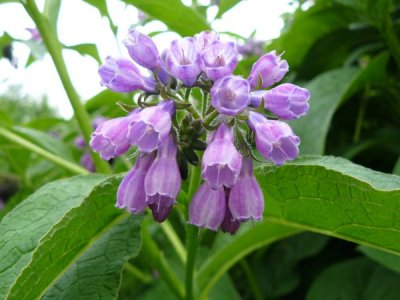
pixel 332 221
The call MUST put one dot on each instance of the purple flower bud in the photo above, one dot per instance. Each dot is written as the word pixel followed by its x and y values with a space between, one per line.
pixel 121 75
pixel 109 138
pixel 230 95
pixel 150 129
pixel 205 39
pixel 275 140
pixel 80 142
pixel 87 162
pixel 131 194
pixel 142 49
pixel 251 47
pixel 270 68
pixel 246 200
pixel 207 208
pixel 163 180
pixel 97 121
pixel 219 59
pixel 229 224
pixel 35 34
pixel 221 161
pixel 183 61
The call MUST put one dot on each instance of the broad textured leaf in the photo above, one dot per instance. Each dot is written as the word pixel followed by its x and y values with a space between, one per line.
pixel 389 260
pixel 224 6
pixel 358 278
pixel 328 91
pixel 309 26
pixel 177 16
pixel 66 235
pixel 335 197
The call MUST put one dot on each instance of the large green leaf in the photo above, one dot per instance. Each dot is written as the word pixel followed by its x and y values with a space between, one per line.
pixel 335 197
pixel 358 278
pixel 177 16
pixel 328 91
pixel 66 235
pixel 389 260
pixel 86 49
pixel 308 26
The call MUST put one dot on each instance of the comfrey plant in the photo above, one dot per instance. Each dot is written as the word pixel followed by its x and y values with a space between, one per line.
pixel 171 129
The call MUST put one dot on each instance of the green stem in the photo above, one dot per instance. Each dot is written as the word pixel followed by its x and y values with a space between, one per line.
pixel 55 50
pixel 204 104
pixel 192 235
pixel 43 153
pixel 360 116
pixel 254 287
pixel 174 240
pixel 143 277
pixel 158 261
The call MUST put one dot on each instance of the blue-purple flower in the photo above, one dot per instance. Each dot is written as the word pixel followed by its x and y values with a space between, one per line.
pixel 204 39
pixel 219 59
pixel 121 75
pixel 275 140
pixel 142 50
pixel 230 95
pixel 150 128
pixel 109 138
pixel 287 101
pixel 221 161
pixel 207 208
pixel 183 61
pixel 163 180
pixel 246 200
pixel 270 68
pixel 131 194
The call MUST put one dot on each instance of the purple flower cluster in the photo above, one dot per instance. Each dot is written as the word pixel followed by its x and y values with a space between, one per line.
pixel 231 109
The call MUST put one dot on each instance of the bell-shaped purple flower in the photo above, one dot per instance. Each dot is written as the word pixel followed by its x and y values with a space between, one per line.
pixel 109 138
pixel 246 200
pixel 131 194
pixel 183 61
pixel 204 39
pixel 287 101
pixel 230 95
pixel 160 213
pixel 163 180
pixel 219 59
pixel 275 140
pixel 80 142
pixel 150 129
pixel 143 50
pixel 229 224
pixel 207 208
pixel 270 68
pixel 121 75
pixel 221 161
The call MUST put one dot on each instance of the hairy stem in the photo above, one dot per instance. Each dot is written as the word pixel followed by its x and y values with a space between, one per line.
pixel 70 166
pixel 55 50
pixel 174 240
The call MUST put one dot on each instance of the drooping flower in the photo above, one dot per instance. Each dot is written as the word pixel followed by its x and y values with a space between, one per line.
pixel 87 162
pixel 251 47
pixel 219 59
pixel 142 50
pixel 183 61
pixel 163 180
pixel 270 68
pixel 109 138
pixel 275 140
pixel 207 208
pixel 221 161
pixel 230 95
pixel 121 75
pixel 246 200
pixel 287 101
pixel 204 39
pixel 229 224
pixel 150 129
pixel 131 194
